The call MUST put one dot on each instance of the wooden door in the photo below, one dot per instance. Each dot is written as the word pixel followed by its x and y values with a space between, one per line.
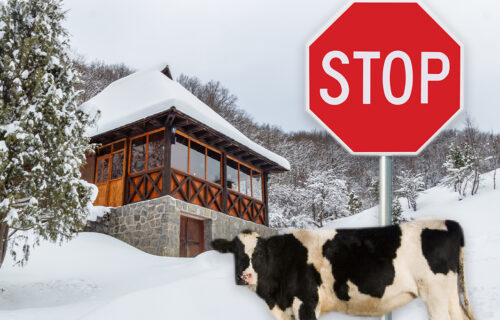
pixel 191 237
pixel 102 179
pixel 110 179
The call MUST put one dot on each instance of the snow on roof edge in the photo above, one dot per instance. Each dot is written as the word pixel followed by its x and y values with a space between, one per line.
pixel 147 93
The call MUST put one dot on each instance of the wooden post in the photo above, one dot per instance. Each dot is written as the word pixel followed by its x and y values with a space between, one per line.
pixel 266 205
pixel 167 161
pixel 224 183
pixel 125 173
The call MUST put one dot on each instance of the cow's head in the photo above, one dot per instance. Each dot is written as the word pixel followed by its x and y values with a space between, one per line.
pixel 246 250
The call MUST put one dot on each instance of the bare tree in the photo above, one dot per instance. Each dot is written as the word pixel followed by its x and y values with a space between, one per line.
pixel 472 137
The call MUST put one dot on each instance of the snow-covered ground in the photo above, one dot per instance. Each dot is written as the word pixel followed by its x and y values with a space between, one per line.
pixel 98 277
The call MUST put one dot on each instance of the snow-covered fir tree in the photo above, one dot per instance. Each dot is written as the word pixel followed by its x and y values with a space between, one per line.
pixel 459 167
pixel 354 205
pixel 42 141
pixel 410 185
pixel 397 212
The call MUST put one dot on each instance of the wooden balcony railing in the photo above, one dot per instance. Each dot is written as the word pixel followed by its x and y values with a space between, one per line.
pixel 195 190
pixel 183 186
pixel 245 207
pixel 144 185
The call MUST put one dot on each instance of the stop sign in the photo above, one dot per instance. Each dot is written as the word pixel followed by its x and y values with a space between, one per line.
pixel 384 77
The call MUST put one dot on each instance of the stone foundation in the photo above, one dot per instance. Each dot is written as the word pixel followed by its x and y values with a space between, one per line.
pixel 153 225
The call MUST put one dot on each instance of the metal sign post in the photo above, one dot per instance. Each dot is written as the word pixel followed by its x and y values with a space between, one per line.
pixel 385 198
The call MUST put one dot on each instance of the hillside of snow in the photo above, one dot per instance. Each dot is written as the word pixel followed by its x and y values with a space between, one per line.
pixel 95 276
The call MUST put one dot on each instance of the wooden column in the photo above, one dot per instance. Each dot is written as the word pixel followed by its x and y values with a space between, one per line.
pixel 125 172
pixel 224 183
pixel 266 205
pixel 165 189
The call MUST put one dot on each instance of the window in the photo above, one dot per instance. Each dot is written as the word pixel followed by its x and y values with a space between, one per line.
pixel 213 166
pixel 195 158
pixel 244 179
pixel 180 153
pixel 232 174
pixel 147 151
pixel 110 161
pixel 245 183
pixel 117 165
pixel 257 185
pixel 138 156
pixel 155 150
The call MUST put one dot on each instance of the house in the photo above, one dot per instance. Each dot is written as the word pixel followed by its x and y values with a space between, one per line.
pixel 175 172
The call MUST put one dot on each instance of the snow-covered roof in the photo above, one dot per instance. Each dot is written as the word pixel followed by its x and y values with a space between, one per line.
pixel 146 93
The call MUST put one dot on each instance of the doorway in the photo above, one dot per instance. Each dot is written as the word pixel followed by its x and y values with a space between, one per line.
pixel 191 237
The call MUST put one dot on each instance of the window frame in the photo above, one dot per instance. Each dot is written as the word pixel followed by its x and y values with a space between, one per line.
pixel 189 139
pixel 146 167
pixel 252 169
pixel 110 155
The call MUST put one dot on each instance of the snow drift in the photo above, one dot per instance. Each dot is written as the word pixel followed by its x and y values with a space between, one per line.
pixel 98 277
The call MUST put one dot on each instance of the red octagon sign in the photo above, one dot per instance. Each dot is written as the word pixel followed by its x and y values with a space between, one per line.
pixel 384 77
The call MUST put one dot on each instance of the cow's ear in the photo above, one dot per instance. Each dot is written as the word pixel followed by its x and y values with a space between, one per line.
pixel 223 245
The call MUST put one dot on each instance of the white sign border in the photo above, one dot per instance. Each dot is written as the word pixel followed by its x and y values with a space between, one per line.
pixel 439 22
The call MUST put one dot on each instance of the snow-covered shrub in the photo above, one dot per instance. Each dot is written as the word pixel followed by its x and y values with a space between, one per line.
pixel 410 185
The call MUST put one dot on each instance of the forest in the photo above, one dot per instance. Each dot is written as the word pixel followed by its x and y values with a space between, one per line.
pixel 326 182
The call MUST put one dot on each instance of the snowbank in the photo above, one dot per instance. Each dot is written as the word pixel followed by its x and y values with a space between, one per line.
pixel 146 93
pixel 98 277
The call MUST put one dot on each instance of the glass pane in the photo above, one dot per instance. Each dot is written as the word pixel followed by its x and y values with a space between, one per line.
pixel 213 166
pixel 118 146
pixel 257 185
pixel 232 174
pixel 138 158
pixel 245 186
pixel 180 153
pixel 104 150
pixel 197 160
pixel 155 150
pixel 99 171
pixel 105 170
pixel 117 166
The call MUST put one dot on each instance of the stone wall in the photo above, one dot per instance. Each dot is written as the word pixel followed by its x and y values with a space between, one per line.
pixel 153 225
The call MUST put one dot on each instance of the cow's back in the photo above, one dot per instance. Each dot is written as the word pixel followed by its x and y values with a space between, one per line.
pixel 370 271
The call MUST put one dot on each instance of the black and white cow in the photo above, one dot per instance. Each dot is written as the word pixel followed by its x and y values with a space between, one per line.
pixel 368 272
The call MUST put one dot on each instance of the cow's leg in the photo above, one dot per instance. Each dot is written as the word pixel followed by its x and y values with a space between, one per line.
pixel 279 314
pixel 436 296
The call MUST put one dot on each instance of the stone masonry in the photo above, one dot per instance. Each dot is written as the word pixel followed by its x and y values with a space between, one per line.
pixel 153 225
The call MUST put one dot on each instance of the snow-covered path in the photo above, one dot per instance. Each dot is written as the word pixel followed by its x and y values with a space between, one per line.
pixel 98 277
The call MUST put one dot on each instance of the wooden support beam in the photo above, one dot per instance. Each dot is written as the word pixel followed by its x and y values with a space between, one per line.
pixel 266 204
pixel 167 161
pixel 224 183
pixel 125 173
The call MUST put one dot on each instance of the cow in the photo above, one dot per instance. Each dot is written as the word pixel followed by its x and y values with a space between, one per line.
pixel 304 274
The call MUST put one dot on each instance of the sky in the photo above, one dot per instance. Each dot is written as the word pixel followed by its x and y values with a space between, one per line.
pixel 257 48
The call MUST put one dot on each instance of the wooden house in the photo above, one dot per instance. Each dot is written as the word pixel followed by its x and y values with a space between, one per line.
pixel 157 139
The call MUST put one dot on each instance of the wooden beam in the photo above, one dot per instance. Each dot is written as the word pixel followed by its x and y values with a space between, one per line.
pixel 224 184
pixel 167 161
pixel 266 203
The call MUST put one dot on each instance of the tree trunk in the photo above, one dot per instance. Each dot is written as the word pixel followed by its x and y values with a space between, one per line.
pixel 4 233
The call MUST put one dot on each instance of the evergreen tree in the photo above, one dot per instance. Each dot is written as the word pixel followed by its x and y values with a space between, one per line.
pixel 397 212
pixel 354 204
pixel 410 185
pixel 42 142
pixel 459 167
